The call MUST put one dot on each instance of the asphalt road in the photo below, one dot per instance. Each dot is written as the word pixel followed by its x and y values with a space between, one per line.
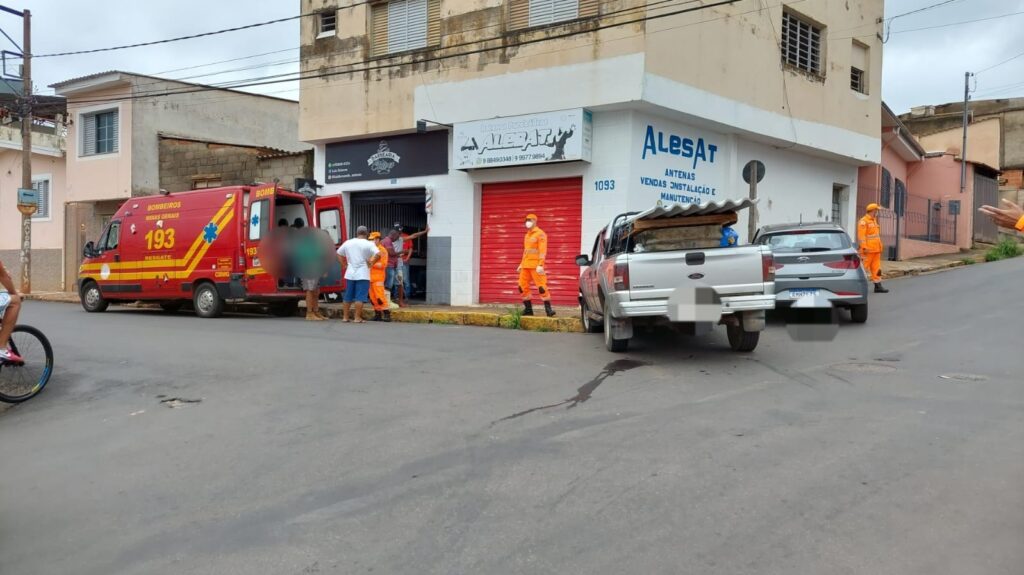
pixel 334 448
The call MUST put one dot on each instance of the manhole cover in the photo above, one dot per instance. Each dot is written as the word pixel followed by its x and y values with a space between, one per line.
pixel 964 376
pixel 864 368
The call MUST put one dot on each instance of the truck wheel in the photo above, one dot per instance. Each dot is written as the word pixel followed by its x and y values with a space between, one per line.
pixel 741 339
pixel 92 299
pixel 613 345
pixel 284 308
pixel 589 325
pixel 207 301
pixel 859 313
pixel 171 306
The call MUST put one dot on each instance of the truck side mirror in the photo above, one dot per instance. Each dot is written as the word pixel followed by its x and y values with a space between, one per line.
pixel 89 250
pixel 583 260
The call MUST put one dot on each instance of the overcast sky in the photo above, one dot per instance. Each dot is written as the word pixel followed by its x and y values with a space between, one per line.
pixel 921 66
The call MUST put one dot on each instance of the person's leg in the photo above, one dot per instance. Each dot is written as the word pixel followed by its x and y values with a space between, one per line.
pixel 9 320
pixel 362 293
pixel 389 282
pixel 541 280
pixel 406 285
pixel 524 291
pixel 350 291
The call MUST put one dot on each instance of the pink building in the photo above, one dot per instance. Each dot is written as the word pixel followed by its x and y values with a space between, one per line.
pixel 923 210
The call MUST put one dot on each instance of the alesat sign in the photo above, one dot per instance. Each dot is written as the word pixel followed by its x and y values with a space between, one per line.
pixel 678 166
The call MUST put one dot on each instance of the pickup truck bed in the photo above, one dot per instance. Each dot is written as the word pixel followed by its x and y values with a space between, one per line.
pixel 635 276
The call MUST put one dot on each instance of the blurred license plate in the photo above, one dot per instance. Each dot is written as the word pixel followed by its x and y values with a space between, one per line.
pixel 803 292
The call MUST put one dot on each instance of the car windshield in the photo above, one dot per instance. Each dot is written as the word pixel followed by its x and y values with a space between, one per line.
pixel 804 241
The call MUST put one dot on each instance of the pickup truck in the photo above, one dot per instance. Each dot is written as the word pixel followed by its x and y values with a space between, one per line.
pixel 643 264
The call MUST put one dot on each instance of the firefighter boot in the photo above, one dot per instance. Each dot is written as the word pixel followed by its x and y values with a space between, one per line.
pixel 527 307
pixel 387 315
pixel 880 289
pixel 547 309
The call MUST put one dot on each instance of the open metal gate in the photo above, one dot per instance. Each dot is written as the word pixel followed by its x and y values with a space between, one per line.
pixel 986 192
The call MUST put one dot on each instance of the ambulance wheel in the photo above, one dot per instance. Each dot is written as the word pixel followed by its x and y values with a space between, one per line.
pixel 741 339
pixel 92 299
pixel 171 306
pixel 207 301
pixel 284 309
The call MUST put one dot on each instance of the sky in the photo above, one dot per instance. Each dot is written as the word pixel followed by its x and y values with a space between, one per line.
pixel 920 66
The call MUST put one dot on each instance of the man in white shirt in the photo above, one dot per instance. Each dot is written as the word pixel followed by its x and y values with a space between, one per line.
pixel 357 255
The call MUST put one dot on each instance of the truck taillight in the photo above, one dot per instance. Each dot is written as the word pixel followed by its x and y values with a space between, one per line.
pixel 849 262
pixel 620 277
pixel 767 268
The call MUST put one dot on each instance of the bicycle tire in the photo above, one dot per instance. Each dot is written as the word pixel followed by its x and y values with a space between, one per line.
pixel 34 373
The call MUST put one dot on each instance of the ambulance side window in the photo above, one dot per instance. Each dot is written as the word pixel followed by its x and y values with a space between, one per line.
pixel 258 214
pixel 112 237
pixel 330 222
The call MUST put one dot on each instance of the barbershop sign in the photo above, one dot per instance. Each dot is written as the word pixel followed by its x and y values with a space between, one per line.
pixel 562 136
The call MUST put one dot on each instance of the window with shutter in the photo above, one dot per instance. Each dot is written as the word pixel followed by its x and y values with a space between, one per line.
pixel 885 197
pixel 100 133
pixel 530 13
pixel 42 188
pixel 402 25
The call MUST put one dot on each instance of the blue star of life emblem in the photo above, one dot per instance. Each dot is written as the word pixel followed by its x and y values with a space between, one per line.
pixel 210 232
pixel 256 219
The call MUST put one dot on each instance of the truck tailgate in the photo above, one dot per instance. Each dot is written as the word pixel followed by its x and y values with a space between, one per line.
pixel 730 271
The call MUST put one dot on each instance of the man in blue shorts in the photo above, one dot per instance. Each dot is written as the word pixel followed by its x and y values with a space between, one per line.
pixel 10 305
pixel 357 255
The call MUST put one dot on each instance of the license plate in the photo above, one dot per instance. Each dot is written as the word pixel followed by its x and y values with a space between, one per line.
pixel 803 292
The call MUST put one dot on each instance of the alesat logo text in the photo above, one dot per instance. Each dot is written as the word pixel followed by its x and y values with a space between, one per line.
pixel 661 143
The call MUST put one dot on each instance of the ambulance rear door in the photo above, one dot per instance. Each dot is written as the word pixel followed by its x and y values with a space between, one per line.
pixel 330 217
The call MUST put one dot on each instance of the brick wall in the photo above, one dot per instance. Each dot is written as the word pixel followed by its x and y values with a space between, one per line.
pixel 286 168
pixel 184 164
pixel 1014 179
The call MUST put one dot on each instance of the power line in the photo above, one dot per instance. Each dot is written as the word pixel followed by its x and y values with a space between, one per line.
pixel 226 61
pixel 921 9
pixel 276 79
pixel 948 25
pixel 180 38
pixel 1010 59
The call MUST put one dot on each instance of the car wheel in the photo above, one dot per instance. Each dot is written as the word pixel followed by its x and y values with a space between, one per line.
pixel 612 344
pixel 741 339
pixel 859 313
pixel 92 299
pixel 589 325
pixel 207 301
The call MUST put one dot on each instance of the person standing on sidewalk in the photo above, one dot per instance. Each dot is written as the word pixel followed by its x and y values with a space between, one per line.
pixel 10 306
pixel 356 256
pixel 1011 216
pixel 378 272
pixel 399 247
pixel 531 267
pixel 869 243
pixel 310 258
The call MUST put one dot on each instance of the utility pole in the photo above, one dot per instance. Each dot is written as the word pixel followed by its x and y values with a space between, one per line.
pixel 963 147
pixel 25 108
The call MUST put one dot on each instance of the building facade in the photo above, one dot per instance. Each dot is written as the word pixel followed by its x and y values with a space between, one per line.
pixel 469 114
pixel 117 122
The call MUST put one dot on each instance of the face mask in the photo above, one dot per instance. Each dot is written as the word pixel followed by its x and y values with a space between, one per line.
pixel 529 224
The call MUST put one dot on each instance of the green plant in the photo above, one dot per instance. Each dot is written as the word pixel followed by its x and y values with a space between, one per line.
pixel 967 261
pixel 514 319
pixel 1006 248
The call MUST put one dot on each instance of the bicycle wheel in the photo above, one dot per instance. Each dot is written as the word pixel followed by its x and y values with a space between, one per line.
pixel 24 380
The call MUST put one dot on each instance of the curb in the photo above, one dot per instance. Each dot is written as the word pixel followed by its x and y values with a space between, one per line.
pixel 477 319
pixel 936 268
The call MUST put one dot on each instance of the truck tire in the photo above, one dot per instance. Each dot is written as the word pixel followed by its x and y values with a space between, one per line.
pixel 92 299
pixel 859 313
pixel 207 301
pixel 589 325
pixel 741 339
pixel 613 345
pixel 284 308
pixel 172 306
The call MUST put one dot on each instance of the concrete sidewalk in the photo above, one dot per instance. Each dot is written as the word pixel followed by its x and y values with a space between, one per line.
pixel 932 263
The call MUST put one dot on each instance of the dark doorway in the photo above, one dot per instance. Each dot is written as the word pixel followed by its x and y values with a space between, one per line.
pixel 379 211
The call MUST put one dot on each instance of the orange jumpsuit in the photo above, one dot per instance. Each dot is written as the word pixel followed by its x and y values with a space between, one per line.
pixel 378 272
pixel 870 241
pixel 535 250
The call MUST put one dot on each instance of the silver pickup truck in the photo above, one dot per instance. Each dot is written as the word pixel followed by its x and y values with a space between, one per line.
pixel 665 266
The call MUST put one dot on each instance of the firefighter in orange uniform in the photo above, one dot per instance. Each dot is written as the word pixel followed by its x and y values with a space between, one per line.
pixel 381 310
pixel 869 243
pixel 531 268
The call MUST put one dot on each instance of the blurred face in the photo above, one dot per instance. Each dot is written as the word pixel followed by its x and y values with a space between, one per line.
pixel 530 224
pixel 393 234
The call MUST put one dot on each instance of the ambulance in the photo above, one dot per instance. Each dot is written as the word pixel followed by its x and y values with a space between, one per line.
pixel 203 247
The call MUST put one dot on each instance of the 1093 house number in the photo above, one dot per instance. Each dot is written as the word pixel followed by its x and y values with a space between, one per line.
pixel 604 185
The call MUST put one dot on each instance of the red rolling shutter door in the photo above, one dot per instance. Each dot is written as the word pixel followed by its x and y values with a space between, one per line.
pixel 503 208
